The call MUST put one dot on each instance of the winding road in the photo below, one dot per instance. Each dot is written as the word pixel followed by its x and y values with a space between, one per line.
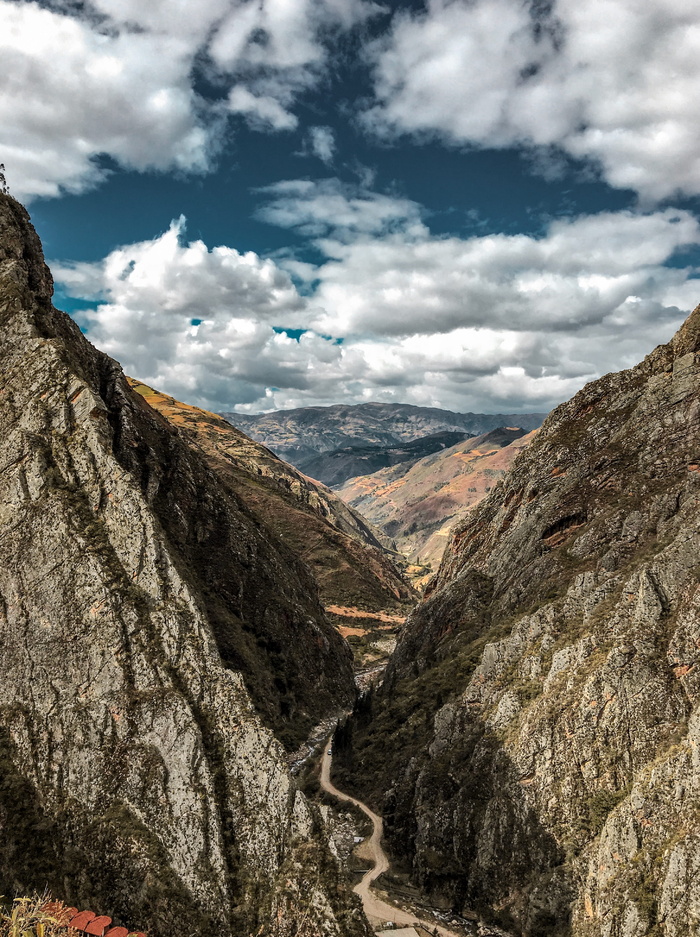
pixel 377 911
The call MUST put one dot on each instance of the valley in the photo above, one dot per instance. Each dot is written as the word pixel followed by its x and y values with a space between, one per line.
pixel 379 912
pixel 225 709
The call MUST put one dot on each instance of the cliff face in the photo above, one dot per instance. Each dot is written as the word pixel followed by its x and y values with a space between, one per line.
pixel 146 620
pixel 347 557
pixel 535 744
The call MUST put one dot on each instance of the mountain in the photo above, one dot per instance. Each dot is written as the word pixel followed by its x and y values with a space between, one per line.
pixel 336 466
pixel 349 559
pixel 534 746
pixel 153 634
pixel 298 435
pixel 417 503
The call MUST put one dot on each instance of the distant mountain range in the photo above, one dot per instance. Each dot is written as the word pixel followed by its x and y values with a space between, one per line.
pixel 298 436
pixel 337 466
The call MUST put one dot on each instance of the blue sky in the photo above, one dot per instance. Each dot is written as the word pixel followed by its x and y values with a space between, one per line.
pixel 254 204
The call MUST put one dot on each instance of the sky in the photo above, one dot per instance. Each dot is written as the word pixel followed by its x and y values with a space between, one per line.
pixel 479 205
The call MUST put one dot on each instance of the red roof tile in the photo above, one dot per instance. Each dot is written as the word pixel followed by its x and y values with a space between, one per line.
pixel 81 921
pixel 98 926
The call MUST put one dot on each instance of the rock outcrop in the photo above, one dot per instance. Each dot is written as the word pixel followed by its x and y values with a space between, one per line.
pixel 349 559
pixel 149 624
pixel 535 745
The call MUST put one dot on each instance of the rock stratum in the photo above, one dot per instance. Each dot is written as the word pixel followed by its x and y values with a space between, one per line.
pixel 154 633
pixel 535 746
pixel 416 504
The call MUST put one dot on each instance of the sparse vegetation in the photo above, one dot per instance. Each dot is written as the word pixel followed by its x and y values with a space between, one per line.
pixel 38 916
pixel 33 917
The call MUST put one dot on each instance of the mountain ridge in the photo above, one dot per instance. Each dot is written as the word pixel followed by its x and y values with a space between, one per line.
pixel 297 435
pixel 136 773
pixel 547 687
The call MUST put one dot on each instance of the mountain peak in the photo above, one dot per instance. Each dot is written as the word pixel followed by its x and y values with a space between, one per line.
pixel 21 255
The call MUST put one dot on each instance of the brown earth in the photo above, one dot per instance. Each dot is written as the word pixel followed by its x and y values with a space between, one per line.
pixel 416 505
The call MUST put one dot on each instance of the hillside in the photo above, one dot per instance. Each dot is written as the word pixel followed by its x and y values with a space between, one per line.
pixel 417 503
pixel 153 632
pixel 348 559
pixel 298 435
pixel 336 466
pixel 534 745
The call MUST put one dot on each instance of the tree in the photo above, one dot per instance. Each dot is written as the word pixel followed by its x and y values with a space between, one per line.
pixel 4 188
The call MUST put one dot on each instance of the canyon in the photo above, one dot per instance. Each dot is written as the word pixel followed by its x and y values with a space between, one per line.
pixel 174 607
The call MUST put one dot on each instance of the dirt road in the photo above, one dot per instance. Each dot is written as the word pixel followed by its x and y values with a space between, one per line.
pixel 377 911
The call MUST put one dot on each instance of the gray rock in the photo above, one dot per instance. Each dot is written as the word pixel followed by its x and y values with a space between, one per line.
pixel 136 775
pixel 535 743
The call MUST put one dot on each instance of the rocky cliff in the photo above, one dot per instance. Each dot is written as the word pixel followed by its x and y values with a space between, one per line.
pixel 149 625
pixel 349 559
pixel 535 744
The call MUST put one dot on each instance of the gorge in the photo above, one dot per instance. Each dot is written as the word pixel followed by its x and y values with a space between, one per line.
pixel 166 642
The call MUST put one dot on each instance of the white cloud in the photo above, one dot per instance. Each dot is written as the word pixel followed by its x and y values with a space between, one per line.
pixel 116 78
pixel 487 323
pixel 329 207
pixel 606 80
pixel 127 95
pixel 322 142
pixel 386 275
pixel 263 110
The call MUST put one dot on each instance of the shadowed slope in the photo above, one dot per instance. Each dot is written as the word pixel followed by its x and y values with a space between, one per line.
pixel 533 747
pixel 345 554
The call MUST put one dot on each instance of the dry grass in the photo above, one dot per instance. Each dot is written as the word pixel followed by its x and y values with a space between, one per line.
pixel 40 916
pixel 34 917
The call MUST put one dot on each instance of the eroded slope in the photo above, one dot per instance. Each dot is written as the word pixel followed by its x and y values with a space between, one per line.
pixel 347 557
pixel 417 504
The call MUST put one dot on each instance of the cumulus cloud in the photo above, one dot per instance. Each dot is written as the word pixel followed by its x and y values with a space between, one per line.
pixel 123 94
pixel 485 323
pixel 581 273
pixel 264 110
pixel 186 318
pixel 117 78
pixel 612 82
